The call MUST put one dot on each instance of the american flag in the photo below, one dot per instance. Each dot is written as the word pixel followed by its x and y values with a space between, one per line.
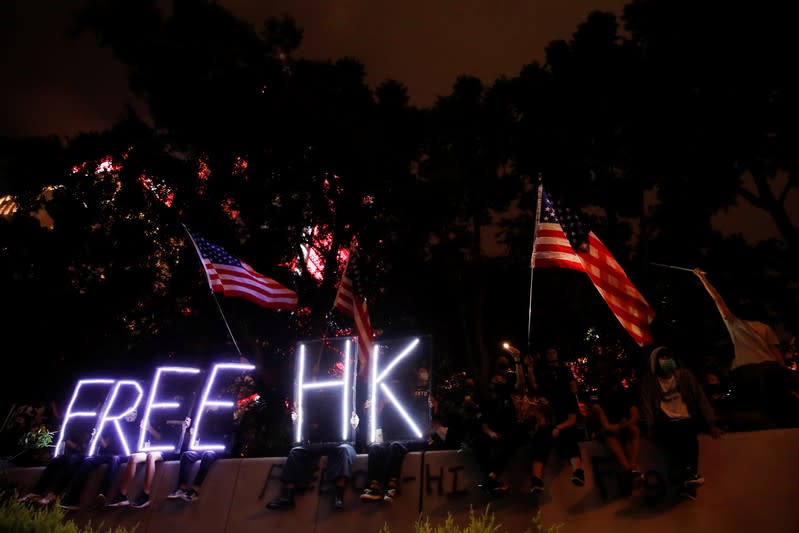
pixel 233 277
pixel 351 301
pixel 563 241
pixel 7 205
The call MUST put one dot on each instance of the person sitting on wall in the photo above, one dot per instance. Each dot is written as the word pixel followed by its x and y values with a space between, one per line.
pixel 555 383
pixel 676 410
pixel 385 457
pixel 321 423
pixel 617 416
pixel 218 422
pixel 110 453
pixel 496 439
pixel 60 469
pixel 157 431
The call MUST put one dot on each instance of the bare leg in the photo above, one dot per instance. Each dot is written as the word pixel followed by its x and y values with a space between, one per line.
pixel 149 473
pixel 130 471
pixel 612 442
pixel 633 446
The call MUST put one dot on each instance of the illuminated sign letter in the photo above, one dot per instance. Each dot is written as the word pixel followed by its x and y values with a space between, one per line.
pixel 153 404
pixel 344 383
pixel 377 381
pixel 77 414
pixel 114 418
pixel 205 402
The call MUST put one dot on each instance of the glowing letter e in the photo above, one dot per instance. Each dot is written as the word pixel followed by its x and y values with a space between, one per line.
pixel 205 402
pixel 153 404
pixel 70 414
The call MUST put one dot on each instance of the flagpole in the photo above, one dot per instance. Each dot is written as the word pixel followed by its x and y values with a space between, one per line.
pixel 674 267
pixel 535 232
pixel 216 300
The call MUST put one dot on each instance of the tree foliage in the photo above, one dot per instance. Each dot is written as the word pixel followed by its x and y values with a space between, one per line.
pixel 654 123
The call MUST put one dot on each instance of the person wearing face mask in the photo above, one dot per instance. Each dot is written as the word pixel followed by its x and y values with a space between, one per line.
pixel 676 410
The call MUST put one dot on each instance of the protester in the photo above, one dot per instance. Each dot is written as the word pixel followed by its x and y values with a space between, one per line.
pixel 298 468
pixel 555 382
pixel 60 469
pixel 157 432
pixel 761 378
pixel 110 452
pixel 323 439
pixel 497 438
pixel 617 415
pixel 676 410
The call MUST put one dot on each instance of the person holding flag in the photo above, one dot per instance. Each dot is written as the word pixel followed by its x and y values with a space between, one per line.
pixel 758 369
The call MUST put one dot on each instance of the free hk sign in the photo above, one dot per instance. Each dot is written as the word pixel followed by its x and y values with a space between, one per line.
pixel 109 403
pixel 388 400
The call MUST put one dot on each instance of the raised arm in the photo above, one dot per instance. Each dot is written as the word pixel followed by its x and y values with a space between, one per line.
pixel 721 305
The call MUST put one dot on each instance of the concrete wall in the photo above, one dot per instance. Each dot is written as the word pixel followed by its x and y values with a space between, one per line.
pixel 750 485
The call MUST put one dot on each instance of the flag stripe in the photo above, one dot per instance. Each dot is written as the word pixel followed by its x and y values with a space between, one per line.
pixel 235 278
pixel 552 248
pixel 349 303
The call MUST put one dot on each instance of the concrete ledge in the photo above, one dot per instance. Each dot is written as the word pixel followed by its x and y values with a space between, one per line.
pixel 749 486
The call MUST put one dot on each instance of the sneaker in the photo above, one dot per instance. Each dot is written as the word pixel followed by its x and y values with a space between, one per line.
pixel 689 493
pixel 537 485
pixel 371 494
pixel 390 495
pixel 338 503
pixel 69 506
pixel 190 495
pixel 30 497
pixel 578 477
pixel 120 500
pixel 281 504
pixel 141 502
pixel 694 481
pixel 176 494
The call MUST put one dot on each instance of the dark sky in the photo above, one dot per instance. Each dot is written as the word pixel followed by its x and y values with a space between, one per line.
pixel 55 84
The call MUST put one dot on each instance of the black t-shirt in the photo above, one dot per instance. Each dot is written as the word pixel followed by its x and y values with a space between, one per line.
pixel 552 377
pixel 616 403
pixel 563 403
pixel 498 412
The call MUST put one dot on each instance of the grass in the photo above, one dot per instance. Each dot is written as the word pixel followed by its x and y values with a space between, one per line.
pixel 484 523
pixel 18 517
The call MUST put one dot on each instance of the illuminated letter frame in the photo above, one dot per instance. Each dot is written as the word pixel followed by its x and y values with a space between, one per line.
pixel 115 419
pixel 346 408
pixel 69 414
pixel 151 404
pixel 378 380
pixel 204 402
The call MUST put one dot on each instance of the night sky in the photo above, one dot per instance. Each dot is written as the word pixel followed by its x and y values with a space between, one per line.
pixel 63 85
pixel 56 84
